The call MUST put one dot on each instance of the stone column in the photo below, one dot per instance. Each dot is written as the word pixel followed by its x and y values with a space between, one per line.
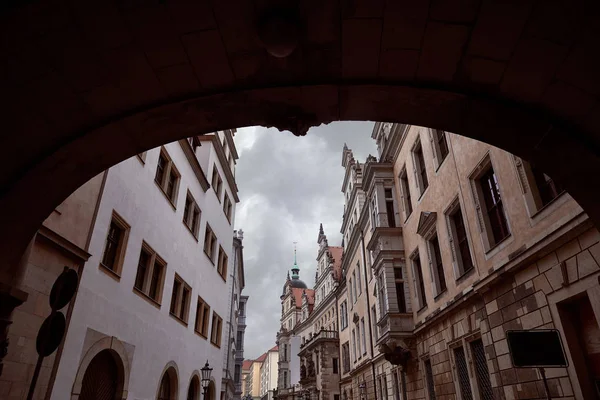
pixel 10 298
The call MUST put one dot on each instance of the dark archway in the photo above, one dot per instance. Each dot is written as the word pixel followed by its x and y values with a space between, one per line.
pixel 88 86
pixel 168 386
pixel 194 388
pixel 103 378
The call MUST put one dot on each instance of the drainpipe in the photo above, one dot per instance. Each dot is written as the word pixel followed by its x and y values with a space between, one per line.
pixel 364 262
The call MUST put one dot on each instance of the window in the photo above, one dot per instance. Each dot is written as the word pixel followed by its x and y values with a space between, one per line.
pixel 194 142
pixel 463 374
pixel 405 190
pixel 167 177
pixel 354 345
pixel 116 243
pixel 436 264
pixel 142 157
pixel 191 215
pixel 429 379
pixel 481 370
pixel 419 284
pixel 351 297
pixel 440 145
pixel 355 291
pixel 490 208
pixel 336 368
pixel 222 264
pixel 217 182
pixel 420 170
pixel 217 326
pixel 227 207
pixel 358 341
pixel 150 274
pixel 374 212
pixel 389 208
pixel 459 242
pixel 374 316
pixel 399 281
pixel 202 315
pixel 538 188
pixel 358 278
pixel 363 335
pixel 344 315
pixel 180 299
pixel 210 243
pixel 381 295
pixel 396 377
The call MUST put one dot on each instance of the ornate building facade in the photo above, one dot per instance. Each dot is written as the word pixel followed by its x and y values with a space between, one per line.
pixel 448 243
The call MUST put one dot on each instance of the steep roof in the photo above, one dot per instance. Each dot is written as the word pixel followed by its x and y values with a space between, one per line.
pixel 336 254
pixel 274 348
pixel 262 358
pixel 247 364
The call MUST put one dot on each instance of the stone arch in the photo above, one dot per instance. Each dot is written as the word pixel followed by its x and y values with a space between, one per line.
pixel 211 393
pixel 119 354
pixel 172 373
pixel 195 380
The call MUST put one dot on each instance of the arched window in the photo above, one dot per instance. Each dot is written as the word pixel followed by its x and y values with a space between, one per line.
pixel 101 380
pixel 194 389
pixel 168 385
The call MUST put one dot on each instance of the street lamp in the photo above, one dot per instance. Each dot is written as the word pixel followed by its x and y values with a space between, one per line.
pixel 206 371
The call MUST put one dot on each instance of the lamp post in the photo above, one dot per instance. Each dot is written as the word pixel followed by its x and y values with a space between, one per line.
pixel 206 371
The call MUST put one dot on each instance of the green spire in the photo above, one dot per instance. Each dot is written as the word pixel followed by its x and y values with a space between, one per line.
pixel 295 268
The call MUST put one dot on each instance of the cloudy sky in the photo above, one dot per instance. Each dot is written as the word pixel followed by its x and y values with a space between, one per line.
pixel 288 185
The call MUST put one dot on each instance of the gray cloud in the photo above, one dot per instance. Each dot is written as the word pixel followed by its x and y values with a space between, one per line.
pixel 288 185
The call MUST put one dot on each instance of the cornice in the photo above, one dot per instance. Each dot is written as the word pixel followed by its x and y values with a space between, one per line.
pixel 194 163
pixel 224 164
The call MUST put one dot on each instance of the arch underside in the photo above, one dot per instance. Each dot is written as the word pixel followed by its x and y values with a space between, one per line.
pixel 89 86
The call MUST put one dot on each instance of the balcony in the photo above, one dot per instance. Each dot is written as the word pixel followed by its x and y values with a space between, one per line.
pixel 241 320
pixel 320 337
pixel 386 244
pixel 395 326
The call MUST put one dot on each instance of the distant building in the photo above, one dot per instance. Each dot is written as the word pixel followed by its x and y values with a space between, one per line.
pixel 268 374
pixel 246 369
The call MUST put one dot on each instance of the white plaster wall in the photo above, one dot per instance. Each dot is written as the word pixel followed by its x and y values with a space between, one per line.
pixel 111 307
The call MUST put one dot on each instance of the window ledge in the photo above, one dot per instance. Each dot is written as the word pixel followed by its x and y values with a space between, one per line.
pixel 536 214
pixel 190 231
pixel 442 163
pixel 222 277
pixel 205 337
pixel 422 309
pixel 422 195
pixel 497 245
pixel 440 295
pixel 218 346
pixel 209 257
pixel 166 196
pixel 139 157
pixel 146 297
pixel 108 271
pixel 182 322
pixel 465 275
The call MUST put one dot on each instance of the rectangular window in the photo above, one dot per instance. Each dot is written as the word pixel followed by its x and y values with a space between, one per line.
pixel 191 215
pixel 210 243
pixel 374 212
pixel 358 283
pixel 420 169
pixel 419 283
pixel 346 357
pixel 354 354
pixel 167 177
pixel 547 189
pixel 440 145
pixel 389 208
pixel 217 182
pixel 381 296
pixel 116 243
pixel 384 386
pixel 358 341
pixel 150 275
pixel 363 335
pixel 351 297
pixel 463 374
pixel 202 315
pixel 429 379
pixel 481 370
pixel 227 207
pixel 217 326
pixel 437 266
pixel 399 281
pixel 494 208
pixel 396 380
pixel 405 189
pixel 374 316
pixel 335 363
pixel 459 242
pixel 222 264
pixel 344 315
pixel 180 299
pixel 355 291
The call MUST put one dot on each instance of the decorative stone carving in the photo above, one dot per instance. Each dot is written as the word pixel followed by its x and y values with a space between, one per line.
pixel 311 368
pixel 302 372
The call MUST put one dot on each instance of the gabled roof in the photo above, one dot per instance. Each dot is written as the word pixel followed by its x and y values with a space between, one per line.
pixel 247 364
pixel 297 292
pixel 274 348
pixel 262 358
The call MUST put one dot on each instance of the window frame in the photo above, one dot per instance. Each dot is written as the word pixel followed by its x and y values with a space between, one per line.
pixel 436 265
pixel 215 336
pixel 182 309
pixel 209 234
pixel 218 185
pixel 222 264
pixel 485 228
pixel 121 249
pixel 193 227
pixel 203 312
pixel 418 281
pixel 405 193
pixel 164 181
pixel 458 262
pixel 227 207
pixel 152 261
pixel 437 151
pixel 418 157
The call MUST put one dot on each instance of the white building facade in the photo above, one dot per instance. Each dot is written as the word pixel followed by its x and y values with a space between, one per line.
pixel 156 292
pixel 268 374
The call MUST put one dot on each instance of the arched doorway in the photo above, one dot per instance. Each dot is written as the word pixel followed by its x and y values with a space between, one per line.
pixel 194 389
pixel 101 380
pixel 211 391
pixel 167 389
